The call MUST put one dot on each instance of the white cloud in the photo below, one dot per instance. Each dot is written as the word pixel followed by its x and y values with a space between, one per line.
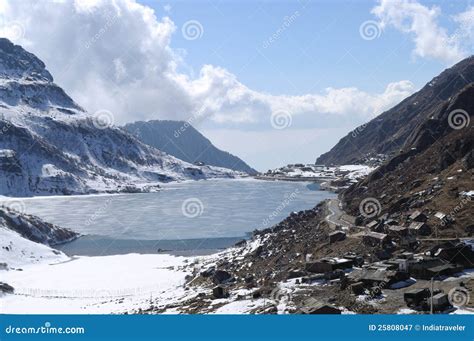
pixel 421 22
pixel 116 55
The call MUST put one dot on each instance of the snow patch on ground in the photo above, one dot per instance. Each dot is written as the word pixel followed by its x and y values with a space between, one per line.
pixel 109 284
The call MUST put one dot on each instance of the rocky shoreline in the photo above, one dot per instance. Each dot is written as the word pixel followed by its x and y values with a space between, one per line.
pixel 293 268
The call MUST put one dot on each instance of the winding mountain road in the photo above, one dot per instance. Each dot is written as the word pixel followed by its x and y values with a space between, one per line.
pixel 336 215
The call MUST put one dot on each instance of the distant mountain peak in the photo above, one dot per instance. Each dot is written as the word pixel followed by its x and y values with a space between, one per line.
pixel 182 140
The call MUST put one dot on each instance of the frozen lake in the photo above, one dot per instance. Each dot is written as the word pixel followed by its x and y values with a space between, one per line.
pixel 190 217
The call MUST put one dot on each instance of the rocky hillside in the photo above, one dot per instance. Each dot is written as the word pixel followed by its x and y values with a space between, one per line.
pixel 394 129
pixel 50 145
pixel 434 172
pixel 35 229
pixel 180 139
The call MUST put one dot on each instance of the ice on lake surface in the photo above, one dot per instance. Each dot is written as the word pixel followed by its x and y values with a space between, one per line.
pixel 199 215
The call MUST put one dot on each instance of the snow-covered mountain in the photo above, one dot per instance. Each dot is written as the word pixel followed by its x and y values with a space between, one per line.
pixel 26 239
pixel 182 140
pixel 50 145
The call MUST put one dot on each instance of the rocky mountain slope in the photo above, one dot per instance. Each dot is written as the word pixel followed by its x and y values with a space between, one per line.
pixel 180 139
pixel 434 172
pixel 26 239
pixel 34 228
pixel 50 145
pixel 394 129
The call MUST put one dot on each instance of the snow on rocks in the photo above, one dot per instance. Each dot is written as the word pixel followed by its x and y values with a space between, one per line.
pixel 51 146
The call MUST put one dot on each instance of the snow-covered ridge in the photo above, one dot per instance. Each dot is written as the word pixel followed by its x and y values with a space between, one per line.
pixel 34 229
pixel 51 146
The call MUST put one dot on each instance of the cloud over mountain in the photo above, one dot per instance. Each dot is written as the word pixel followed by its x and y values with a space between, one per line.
pixel 116 55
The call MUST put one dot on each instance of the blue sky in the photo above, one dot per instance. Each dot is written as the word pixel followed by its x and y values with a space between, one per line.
pixel 321 49
pixel 273 82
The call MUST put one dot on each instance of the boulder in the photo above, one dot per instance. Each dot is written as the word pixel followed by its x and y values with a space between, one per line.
pixel 220 292
pixel 208 272
pixel 221 276
pixel 357 288
pixel 6 288
pixel 295 274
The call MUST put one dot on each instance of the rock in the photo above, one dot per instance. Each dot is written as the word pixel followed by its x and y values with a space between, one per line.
pixel 220 292
pixel 221 276
pixel 262 292
pixel 295 274
pixel 6 288
pixel 249 279
pixel 337 236
pixel 241 243
pixel 208 272
pixel 357 288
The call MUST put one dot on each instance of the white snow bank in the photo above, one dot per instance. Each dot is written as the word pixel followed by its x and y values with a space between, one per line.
pixel 108 284
pixel 17 251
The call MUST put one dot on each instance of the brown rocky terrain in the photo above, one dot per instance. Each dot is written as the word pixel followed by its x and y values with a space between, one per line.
pixel 426 181
pixel 431 174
